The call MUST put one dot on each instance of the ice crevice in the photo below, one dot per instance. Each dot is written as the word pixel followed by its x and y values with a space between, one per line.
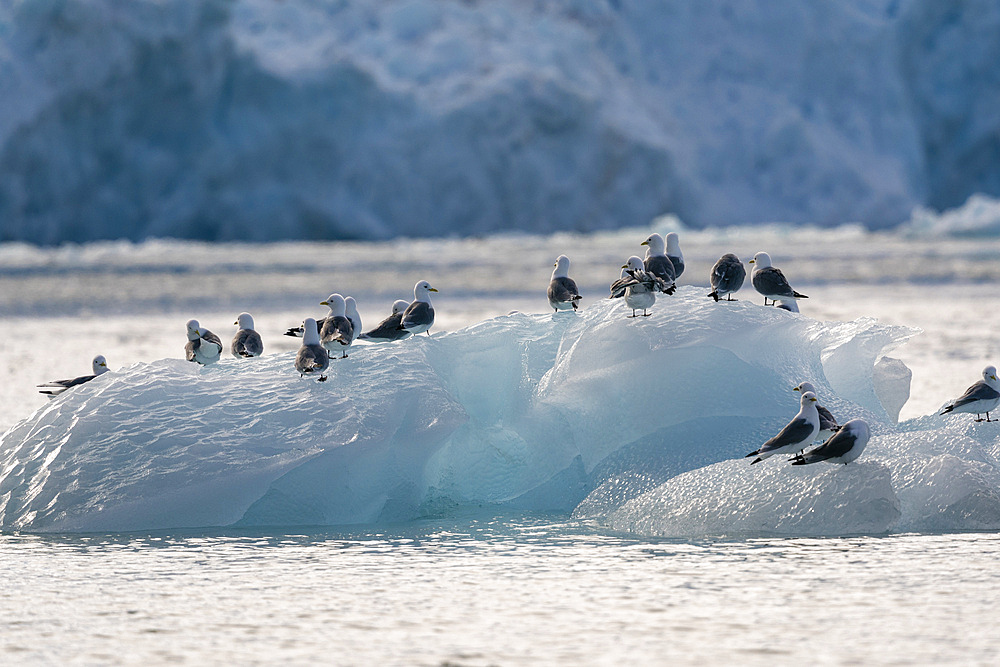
pixel 639 424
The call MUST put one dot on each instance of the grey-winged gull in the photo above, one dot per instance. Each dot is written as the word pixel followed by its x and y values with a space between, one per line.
pixel 246 342
pixel 311 357
pixel 52 389
pixel 637 286
pixel 388 329
pixel 727 277
pixel 827 422
pixel 562 292
pixel 203 346
pixel 797 434
pixel 657 262
pixel 843 446
pixel 770 281
pixel 419 315
pixel 982 397
pixel 337 333
pixel 674 253
pixel 351 312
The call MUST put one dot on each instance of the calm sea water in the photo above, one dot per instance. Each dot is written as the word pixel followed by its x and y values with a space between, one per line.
pixel 497 591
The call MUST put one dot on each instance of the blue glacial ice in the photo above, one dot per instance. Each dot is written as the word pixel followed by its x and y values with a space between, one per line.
pixel 639 424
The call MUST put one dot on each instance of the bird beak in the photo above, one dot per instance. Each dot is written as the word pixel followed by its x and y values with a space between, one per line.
pixel 644 243
pixel 994 377
pixel 431 289
pixel 324 303
pixel 750 262
pixel 813 399
pixel 103 365
pixel 236 322
pixel 795 389
pixel 624 266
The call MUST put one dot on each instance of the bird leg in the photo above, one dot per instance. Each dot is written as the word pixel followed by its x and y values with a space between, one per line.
pixel 322 378
pixel 645 314
pixel 633 314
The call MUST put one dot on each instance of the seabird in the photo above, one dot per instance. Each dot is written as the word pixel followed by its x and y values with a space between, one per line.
pixel 982 397
pixel 770 281
pixel 56 387
pixel 562 291
pixel 351 311
pixel 674 253
pixel 658 263
pixel 797 434
pixel 419 315
pixel 388 329
pixel 246 342
pixel 637 286
pixel 203 346
pixel 337 333
pixel 827 422
pixel 311 357
pixel 727 277
pixel 843 446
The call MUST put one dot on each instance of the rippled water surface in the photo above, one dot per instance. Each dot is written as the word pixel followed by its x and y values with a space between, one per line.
pixel 498 590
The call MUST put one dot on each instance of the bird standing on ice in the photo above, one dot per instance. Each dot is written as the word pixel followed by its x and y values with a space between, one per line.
pixel 388 329
pixel 246 342
pixel 419 315
pixel 674 253
pixel 52 389
pixel 637 286
pixel 797 434
pixel 658 263
pixel 827 422
pixel 982 397
pixel 311 357
pixel 727 277
pixel 338 332
pixel 203 346
pixel 843 446
pixel 351 312
pixel 770 281
pixel 562 291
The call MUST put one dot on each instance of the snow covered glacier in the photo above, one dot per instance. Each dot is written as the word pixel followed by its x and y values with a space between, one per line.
pixel 258 120
pixel 637 423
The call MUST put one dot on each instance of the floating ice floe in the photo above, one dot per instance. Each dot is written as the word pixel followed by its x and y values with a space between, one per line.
pixel 640 424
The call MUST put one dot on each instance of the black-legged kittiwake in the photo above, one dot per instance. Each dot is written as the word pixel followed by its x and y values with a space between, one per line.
pixel 727 277
pixel 351 312
pixel 827 422
pixel 246 342
pixel 203 346
pixel 52 389
pixel 311 357
pixel 562 292
pixel 388 329
pixel 797 434
pixel 674 253
pixel 657 262
pixel 338 332
pixel 843 446
pixel 637 286
pixel 419 315
pixel 770 281
pixel 981 398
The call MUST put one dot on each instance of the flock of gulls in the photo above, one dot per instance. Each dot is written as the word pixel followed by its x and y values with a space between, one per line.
pixel 640 281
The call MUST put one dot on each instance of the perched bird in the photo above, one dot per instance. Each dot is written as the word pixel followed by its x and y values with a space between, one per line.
pixel 637 286
pixel 351 311
pixel 311 357
pixel 562 291
pixel 797 435
pixel 388 329
pixel 56 387
pixel 727 277
pixel 246 342
pixel 770 281
pixel 419 315
pixel 843 446
pixel 203 346
pixel 827 422
pixel 674 253
pixel 982 397
pixel 337 333
pixel 658 263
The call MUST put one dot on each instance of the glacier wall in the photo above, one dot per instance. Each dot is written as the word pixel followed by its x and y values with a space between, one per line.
pixel 637 423
pixel 255 120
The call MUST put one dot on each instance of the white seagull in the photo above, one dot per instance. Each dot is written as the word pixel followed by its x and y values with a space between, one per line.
pixel 797 434
pixel 982 397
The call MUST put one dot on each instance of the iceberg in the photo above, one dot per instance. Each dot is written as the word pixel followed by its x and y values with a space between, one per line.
pixel 639 424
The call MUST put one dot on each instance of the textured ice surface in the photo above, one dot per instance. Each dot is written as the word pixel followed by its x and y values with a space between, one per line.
pixel 536 412
pixel 257 120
